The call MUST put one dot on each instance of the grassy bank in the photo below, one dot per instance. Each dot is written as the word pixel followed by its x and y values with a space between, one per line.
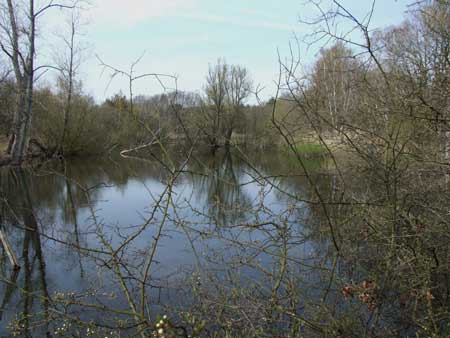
pixel 310 148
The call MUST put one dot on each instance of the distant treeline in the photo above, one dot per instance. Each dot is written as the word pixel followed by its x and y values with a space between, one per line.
pixel 210 119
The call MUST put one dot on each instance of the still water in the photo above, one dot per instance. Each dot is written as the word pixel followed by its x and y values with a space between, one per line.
pixel 218 221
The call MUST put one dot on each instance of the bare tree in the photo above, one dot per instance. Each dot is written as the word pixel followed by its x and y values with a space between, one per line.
pixel 227 89
pixel 19 43
pixel 334 80
pixel 69 66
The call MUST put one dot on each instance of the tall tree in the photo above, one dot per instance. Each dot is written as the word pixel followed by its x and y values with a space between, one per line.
pixel 69 64
pixel 334 79
pixel 18 42
pixel 227 89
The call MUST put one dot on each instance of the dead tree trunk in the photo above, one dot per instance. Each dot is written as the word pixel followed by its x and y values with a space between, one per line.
pixel 24 73
pixel 70 79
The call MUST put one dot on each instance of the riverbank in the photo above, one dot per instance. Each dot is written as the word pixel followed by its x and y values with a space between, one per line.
pixel 310 145
pixel 306 146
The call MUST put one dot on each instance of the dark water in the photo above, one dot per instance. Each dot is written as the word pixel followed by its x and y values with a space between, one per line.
pixel 223 216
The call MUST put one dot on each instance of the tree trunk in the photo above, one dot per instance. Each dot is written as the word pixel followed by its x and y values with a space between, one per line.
pixel 25 81
pixel 67 109
pixel 228 135
pixel 10 144
pixel 18 148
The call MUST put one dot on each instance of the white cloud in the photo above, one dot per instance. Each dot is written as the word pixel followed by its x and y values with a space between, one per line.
pixel 131 12
pixel 239 21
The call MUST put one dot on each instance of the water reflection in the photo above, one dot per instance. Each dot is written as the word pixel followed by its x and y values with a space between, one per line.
pixel 219 188
pixel 32 278
pixel 223 217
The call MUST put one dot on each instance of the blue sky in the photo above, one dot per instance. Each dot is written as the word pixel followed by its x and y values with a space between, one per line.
pixel 183 37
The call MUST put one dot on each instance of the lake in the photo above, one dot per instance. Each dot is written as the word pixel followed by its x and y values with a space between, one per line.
pixel 107 246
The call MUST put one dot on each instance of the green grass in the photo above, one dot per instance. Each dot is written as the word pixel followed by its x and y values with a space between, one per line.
pixel 310 148
pixel 311 154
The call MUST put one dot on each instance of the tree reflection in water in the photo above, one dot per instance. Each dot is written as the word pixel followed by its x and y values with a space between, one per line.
pixel 32 279
pixel 237 241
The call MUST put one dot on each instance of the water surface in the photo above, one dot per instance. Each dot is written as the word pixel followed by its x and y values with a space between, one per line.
pixel 225 216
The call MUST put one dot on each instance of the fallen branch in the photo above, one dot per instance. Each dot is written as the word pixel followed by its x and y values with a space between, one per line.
pixel 124 153
pixel 9 252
